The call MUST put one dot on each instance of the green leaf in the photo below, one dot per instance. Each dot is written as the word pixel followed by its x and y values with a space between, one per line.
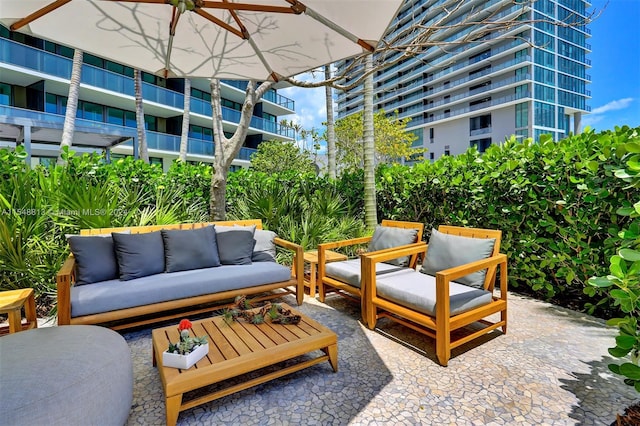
pixel 630 370
pixel 630 255
pixel 626 342
pixel 593 166
pixel 618 352
pixel 632 147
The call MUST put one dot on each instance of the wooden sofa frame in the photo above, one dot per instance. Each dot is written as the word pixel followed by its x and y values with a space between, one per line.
pixel 441 327
pixel 148 314
pixel 346 289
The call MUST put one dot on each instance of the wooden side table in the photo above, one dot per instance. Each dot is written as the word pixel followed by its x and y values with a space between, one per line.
pixel 12 302
pixel 311 257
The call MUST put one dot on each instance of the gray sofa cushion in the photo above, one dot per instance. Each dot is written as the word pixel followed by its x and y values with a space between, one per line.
pixel 385 237
pixel 447 251
pixel 418 291
pixel 139 255
pixel 235 244
pixel 112 295
pixel 349 271
pixel 190 248
pixel 265 248
pixel 95 258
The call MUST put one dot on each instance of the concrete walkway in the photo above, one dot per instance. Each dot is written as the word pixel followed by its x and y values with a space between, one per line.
pixel 549 369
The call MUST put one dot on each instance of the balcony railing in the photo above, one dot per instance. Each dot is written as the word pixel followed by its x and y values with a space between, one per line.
pixel 58 66
pixel 270 95
pixel 155 140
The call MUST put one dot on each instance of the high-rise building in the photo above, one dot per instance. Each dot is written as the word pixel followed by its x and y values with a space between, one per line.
pixel 34 85
pixel 525 80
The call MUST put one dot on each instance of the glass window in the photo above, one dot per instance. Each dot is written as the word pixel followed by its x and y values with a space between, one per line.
pixel 544 75
pixel 543 58
pixel 151 123
pixel 522 115
pixel 93 60
pixel 544 6
pixel 481 144
pixel 115 116
pixel 130 119
pixel 5 94
pixel 522 91
pixel 91 111
pixel 522 134
pixel 544 115
pixel 545 93
pixel 544 41
pixel 544 24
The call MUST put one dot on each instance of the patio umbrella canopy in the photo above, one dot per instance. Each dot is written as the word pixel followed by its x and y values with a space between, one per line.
pixel 260 40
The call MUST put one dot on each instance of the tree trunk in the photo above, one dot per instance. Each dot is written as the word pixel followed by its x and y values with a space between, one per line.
pixel 184 139
pixel 331 132
pixel 72 105
pixel 226 149
pixel 142 134
pixel 370 213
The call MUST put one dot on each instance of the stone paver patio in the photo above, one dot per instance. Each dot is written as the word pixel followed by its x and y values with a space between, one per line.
pixel 549 369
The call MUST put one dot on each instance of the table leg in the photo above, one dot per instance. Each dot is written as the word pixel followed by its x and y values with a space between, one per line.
pixel 173 404
pixel 30 311
pixel 333 356
pixel 312 280
pixel 15 320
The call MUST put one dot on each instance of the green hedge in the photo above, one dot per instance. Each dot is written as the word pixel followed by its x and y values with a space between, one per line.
pixel 556 204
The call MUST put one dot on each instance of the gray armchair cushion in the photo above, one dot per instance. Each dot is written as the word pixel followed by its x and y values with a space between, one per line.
pixel 139 255
pixel 348 271
pixel 385 237
pixel 190 249
pixel 417 291
pixel 265 248
pixel 95 258
pixel 235 244
pixel 447 251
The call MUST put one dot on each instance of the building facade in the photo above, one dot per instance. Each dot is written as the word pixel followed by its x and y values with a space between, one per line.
pixel 34 85
pixel 527 80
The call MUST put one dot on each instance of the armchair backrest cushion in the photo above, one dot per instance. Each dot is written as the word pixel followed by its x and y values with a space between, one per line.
pixel 385 237
pixel 447 251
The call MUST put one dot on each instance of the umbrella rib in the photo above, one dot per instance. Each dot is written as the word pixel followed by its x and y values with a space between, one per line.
pixel 37 14
pixel 220 22
pixel 299 6
pixel 246 6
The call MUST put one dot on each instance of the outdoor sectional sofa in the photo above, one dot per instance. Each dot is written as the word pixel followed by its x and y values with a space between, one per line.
pixel 124 277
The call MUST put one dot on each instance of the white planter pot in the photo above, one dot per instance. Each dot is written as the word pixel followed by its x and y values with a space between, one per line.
pixel 184 361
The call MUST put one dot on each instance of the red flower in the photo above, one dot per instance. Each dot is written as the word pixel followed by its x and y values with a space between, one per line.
pixel 185 324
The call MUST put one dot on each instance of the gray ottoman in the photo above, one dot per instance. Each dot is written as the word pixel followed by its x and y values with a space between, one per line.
pixel 68 375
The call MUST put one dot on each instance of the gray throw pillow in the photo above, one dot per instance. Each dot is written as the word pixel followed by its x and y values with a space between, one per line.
pixel 235 245
pixel 447 251
pixel 186 249
pixel 139 255
pixel 265 248
pixel 385 237
pixel 95 258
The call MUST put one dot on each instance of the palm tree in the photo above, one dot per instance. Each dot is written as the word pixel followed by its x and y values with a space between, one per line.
pixel 184 138
pixel 370 214
pixel 331 133
pixel 72 105
pixel 142 134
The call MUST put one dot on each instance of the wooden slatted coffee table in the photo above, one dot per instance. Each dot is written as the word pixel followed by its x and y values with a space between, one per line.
pixel 236 349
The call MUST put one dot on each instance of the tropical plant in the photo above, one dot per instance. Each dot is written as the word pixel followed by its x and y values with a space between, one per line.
pixel 281 156
pixel 622 284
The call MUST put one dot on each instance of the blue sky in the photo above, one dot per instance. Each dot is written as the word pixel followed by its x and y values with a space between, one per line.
pixel 615 72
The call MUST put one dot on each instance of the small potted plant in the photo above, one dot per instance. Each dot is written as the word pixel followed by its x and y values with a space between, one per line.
pixel 187 351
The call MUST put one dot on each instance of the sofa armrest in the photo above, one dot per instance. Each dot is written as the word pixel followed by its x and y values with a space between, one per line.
pixel 64 279
pixel 298 265
pixel 499 260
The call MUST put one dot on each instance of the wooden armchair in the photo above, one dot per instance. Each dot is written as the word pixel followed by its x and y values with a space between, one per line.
pixel 438 303
pixel 344 277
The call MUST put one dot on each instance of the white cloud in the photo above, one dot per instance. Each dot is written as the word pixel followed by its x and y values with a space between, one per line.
pixel 613 106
